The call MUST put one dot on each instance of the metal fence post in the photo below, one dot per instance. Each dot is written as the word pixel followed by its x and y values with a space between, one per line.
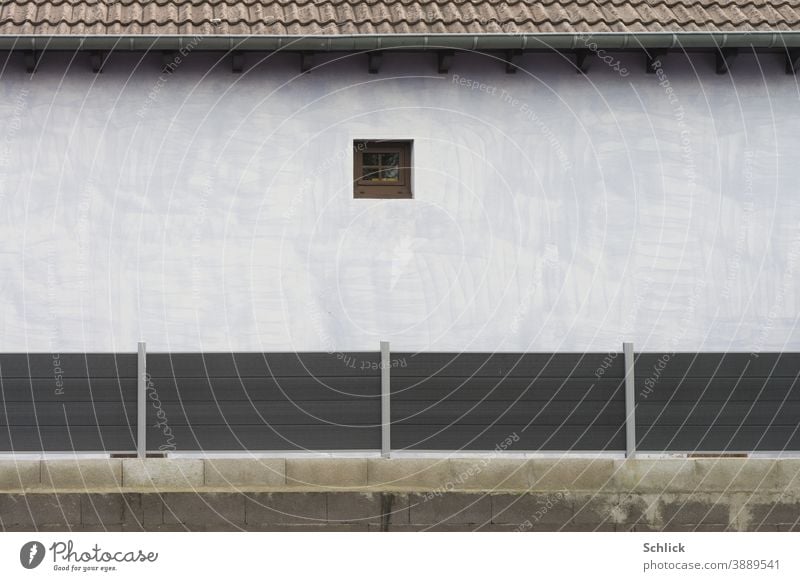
pixel 386 410
pixel 141 407
pixel 630 402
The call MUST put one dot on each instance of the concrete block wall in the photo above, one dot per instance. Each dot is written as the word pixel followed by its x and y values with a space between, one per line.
pixel 405 494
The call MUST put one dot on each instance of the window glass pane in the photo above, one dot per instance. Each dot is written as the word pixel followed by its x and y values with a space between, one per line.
pixel 390 159
pixel 372 159
pixel 371 174
pixel 391 174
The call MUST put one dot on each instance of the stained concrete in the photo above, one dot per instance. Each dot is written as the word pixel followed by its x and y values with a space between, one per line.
pixel 409 494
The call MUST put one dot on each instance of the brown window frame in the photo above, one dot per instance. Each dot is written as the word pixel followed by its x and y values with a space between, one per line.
pixel 368 189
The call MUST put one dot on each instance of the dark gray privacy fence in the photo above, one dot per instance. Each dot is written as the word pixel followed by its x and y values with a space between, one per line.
pixel 477 401
pixel 54 402
pixel 718 401
pixel 703 402
pixel 264 401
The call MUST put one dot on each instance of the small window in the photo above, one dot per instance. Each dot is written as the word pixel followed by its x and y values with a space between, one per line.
pixel 382 169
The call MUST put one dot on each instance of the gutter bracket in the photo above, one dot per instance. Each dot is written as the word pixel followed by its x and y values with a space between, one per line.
pixel 725 58
pixel 237 61
pixel 373 62
pixel 445 61
pixel 168 61
pixel 306 61
pixel 511 61
pixel 32 58
pixel 653 58
pixel 792 61
pixel 97 59
pixel 581 64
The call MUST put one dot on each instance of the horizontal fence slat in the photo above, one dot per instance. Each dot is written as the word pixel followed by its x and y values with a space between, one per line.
pixel 69 414
pixel 355 364
pixel 486 413
pixel 68 439
pixel 266 389
pixel 444 437
pixel 268 413
pixel 718 413
pixel 719 389
pixel 259 437
pixel 695 365
pixel 495 389
pixel 67 365
pixel 68 390
pixel 720 438
pixel 531 365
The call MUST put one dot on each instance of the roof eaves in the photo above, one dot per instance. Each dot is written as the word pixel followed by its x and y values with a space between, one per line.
pixel 369 42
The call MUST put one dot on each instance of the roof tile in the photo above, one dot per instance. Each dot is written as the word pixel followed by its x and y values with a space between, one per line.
pixel 311 17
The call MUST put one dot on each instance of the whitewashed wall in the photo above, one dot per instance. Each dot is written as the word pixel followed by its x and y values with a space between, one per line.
pixel 214 211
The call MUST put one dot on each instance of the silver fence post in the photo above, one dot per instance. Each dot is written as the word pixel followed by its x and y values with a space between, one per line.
pixel 630 402
pixel 141 407
pixel 386 410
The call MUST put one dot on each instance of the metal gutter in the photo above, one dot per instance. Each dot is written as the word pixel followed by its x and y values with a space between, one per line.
pixel 369 42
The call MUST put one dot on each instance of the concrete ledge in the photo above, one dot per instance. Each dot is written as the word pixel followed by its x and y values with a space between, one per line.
pixel 327 473
pixel 22 475
pixel 222 472
pixel 487 474
pixel 82 474
pixel 161 474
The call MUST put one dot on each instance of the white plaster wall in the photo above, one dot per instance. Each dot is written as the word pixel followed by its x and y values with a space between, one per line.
pixel 214 211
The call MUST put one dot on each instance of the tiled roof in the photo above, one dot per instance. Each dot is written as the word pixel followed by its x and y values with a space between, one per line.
pixel 314 17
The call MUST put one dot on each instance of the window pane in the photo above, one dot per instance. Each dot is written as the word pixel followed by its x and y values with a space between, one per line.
pixel 390 159
pixel 371 174
pixel 372 159
pixel 391 174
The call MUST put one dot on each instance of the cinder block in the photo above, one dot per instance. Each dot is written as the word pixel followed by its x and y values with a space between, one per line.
pixel 575 528
pixel 432 528
pixel 357 507
pixel 532 509
pixel 347 507
pixel 326 472
pixel 215 527
pixel 34 511
pixel 208 511
pixel 647 528
pixel 98 529
pixel 321 528
pixel 683 510
pixel 493 528
pixel 409 473
pixel 244 473
pixel 490 474
pixel 308 508
pixel 162 474
pixel 701 528
pixel 19 476
pixel 142 511
pixel 83 475
pixel 450 509
pixel 99 510
pixel 152 509
pixel 636 509
pixel 598 509
pixel 777 512
pixel 655 476
pixel 572 474
pixel 788 528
